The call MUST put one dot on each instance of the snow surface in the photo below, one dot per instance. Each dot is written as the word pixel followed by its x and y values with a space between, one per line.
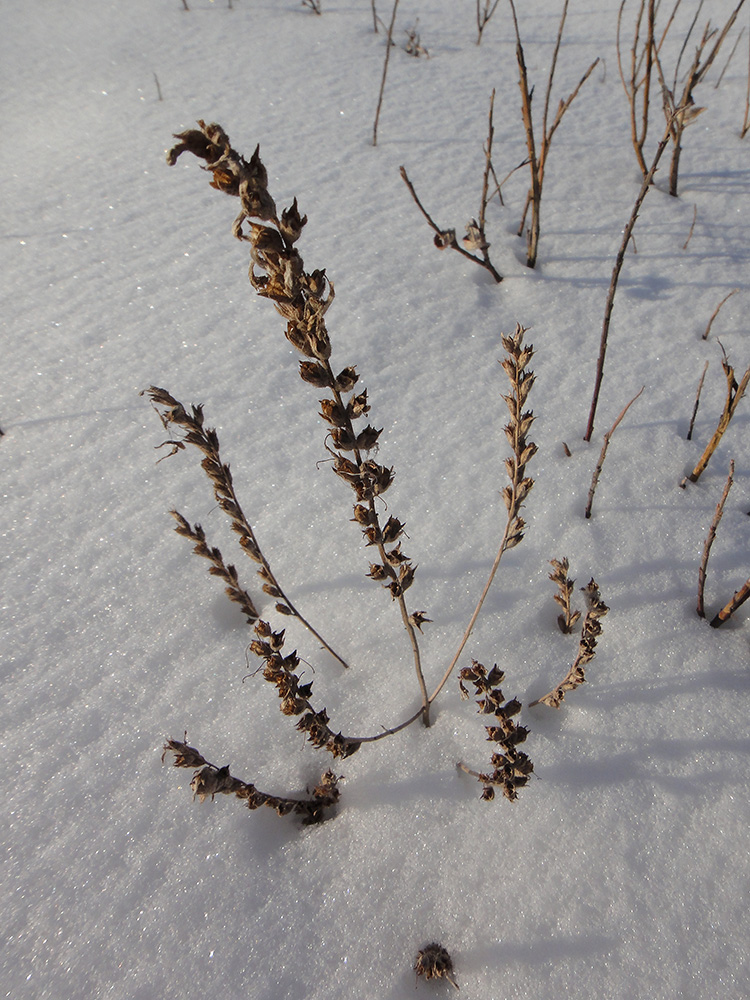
pixel 622 871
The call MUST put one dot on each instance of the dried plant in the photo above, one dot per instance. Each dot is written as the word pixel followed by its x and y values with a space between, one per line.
pixel 475 238
pixel 739 598
pixel 314 5
pixel 682 110
pixel 746 119
pixel 191 430
pixel 646 57
pixel 413 44
pixel 735 392
pixel 697 402
pixel 710 540
pixel 434 962
pixel 538 150
pixel 388 43
pixel 302 298
pixel 619 261
pixel 590 632
pixel 210 780
pixel 512 766
pixel 485 10
pixel 603 453
pixel 716 311
pixel 568 619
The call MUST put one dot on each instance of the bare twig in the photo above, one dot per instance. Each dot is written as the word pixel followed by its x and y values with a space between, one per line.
pixel 692 227
pixel 740 596
pixel 697 403
pixel 590 632
pixel 627 233
pixel 746 119
pixel 538 151
pixel 484 13
pixel 388 43
pixel 731 55
pixel 735 393
pixel 158 88
pixel 710 540
pixel 600 463
pixel 446 238
pixel 715 313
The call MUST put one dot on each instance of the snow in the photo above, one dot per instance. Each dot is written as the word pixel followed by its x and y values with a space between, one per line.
pixel 622 870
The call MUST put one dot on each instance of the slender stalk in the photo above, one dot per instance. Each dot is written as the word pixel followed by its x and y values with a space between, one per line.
pixel 715 313
pixel 600 463
pixel 735 392
pixel 697 403
pixel 388 43
pixel 700 608
pixel 619 260
pixel 740 596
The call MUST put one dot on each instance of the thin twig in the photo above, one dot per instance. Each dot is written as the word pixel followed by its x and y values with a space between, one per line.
pixel 715 313
pixel 600 463
pixel 692 227
pixel 627 233
pixel 385 71
pixel 697 403
pixel 740 596
pixel 710 540
pixel 735 392
pixel 447 236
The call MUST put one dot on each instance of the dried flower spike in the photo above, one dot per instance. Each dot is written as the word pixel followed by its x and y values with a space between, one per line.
pixel 567 620
pixel 590 632
pixel 434 962
pixel 512 767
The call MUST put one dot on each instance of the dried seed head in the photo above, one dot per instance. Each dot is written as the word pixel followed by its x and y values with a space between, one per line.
pixel 434 962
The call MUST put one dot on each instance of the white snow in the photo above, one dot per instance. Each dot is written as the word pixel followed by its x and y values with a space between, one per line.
pixel 622 871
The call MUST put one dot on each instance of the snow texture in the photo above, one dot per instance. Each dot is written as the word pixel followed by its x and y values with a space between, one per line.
pixel 622 871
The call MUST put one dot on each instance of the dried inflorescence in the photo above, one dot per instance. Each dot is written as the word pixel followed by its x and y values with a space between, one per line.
pixel 187 427
pixel 434 962
pixel 517 429
pixel 567 620
pixel 590 632
pixel 279 670
pixel 512 766
pixel 210 780
pixel 303 298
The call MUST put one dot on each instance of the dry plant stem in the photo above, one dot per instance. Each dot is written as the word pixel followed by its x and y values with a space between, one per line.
pixel 700 608
pixel 715 313
pixel 173 414
pixel 686 110
pixel 619 260
pixel 590 632
pixel 729 609
pixel 746 119
pixel 448 237
pixel 637 82
pixel 209 779
pixel 303 300
pixel 731 56
pixel 692 228
pixel 735 392
pixel 568 619
pixel 515 494
pixel 484 13
pixel 537 160
pixel 697 403
pixel 603 453
pixel 385 73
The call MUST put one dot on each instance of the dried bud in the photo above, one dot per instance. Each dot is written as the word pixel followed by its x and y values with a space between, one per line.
pixel 445 238
pixel 315 374
pixel 292 223
pixel 346 379
pixel 434 962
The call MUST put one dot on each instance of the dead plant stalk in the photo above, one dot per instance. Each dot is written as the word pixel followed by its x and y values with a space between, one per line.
pixel 538 152
pixel 735 392
pixel 702 572
pixel 603 454
pixel 619 260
